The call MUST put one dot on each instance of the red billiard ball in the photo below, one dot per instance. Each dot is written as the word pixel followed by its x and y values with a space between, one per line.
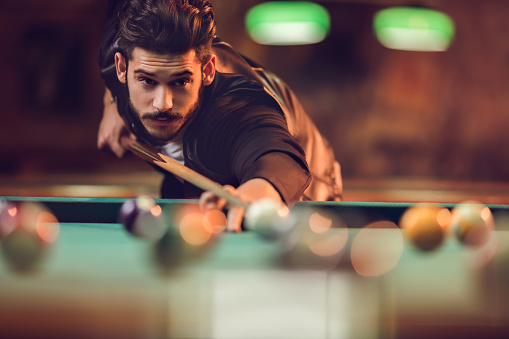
pixel 143 218
pixel 32 231
pixel 425 225
pixel 472 223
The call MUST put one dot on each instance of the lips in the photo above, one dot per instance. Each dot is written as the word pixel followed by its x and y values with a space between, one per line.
pixel 160 120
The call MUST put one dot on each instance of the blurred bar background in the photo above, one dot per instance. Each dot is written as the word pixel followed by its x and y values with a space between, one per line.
pixel 398 120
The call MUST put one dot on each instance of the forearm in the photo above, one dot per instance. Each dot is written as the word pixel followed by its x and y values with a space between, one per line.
pixel 283 173
pixel 274 176
pixel 258 189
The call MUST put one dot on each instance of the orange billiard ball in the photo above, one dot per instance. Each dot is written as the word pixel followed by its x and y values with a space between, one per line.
pixel 425 225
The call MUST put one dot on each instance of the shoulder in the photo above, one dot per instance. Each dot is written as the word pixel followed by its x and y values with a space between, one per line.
pixel 234 105
pixel 230 92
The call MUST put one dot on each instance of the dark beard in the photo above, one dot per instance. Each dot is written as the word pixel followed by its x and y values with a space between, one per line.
pixel 138 129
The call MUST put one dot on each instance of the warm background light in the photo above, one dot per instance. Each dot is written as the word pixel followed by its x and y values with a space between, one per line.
pixel 415 122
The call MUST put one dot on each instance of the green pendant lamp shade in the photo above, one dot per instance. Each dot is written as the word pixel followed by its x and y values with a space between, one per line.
pixel 413 29
pixel 288 23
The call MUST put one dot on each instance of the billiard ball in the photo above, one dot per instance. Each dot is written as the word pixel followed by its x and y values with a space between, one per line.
pixel 268 219
pixel 471 223
pixel 315 241
pixel 29 240
pixel 7 218
pixel 143 218
pixel 189 237
pixel 377 248
pixel 168 251
pixel 501 257
pixel 425 225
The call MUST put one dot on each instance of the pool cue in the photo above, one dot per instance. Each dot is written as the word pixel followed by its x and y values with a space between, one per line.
pixel 157 158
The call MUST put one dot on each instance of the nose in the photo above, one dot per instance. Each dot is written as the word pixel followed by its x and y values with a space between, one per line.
pixel 163 100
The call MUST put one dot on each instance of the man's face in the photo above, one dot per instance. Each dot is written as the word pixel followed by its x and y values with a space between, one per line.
pixel 164 89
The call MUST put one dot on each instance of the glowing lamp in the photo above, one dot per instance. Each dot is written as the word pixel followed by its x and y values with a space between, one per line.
pixel 413 29
pixel 288 23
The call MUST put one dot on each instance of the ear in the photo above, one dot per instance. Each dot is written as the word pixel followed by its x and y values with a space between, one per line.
pixel 121 65
pixel 209 70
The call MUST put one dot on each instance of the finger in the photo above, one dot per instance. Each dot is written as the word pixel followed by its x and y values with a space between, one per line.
pixel 120 146
pixel 220 203
pixel 230 189
pixel 101 144
pixel 118 150
pixel 235 213
pixel 102 140
pixel 234 219
pixel 209 201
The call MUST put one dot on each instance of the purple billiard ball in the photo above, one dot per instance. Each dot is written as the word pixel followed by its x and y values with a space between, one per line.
pixel 143 218
pixel 128 213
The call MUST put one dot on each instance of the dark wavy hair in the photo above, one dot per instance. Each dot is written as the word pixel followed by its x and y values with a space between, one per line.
pixel 166 26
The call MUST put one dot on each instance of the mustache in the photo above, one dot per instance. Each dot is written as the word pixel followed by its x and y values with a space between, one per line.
pixel 162 115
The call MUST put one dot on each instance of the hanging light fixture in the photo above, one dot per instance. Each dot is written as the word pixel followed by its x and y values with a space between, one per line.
pixel 413 29
pixel 288 23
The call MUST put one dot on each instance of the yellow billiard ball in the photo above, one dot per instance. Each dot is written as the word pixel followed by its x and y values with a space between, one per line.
pixel 425 225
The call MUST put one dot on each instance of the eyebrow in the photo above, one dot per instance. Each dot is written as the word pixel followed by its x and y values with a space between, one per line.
pixel 140 71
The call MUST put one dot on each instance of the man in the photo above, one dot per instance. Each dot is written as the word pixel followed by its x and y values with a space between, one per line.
pixel 175 86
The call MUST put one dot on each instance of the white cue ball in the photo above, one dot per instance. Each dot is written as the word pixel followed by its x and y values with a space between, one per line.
pixel 267 218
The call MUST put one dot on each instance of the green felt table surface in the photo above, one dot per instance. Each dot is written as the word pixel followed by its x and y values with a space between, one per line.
pixel 100 281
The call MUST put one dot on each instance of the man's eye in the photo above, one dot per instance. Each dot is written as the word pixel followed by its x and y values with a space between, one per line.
pixel 181 82
pixel 147 81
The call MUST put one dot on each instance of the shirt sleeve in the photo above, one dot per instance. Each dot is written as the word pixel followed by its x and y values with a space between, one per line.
pixel 283 172
pixel 252 141
pixel 265 149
